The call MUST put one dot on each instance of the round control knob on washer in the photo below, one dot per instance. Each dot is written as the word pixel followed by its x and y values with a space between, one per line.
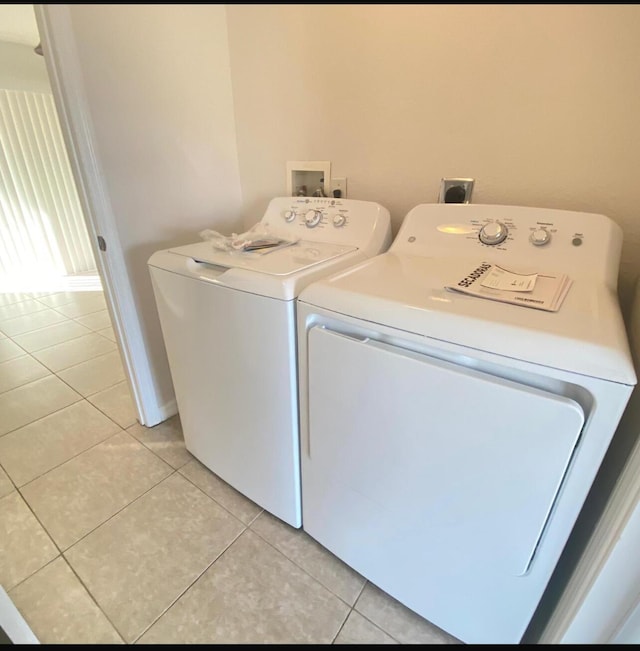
pixel 289 215
pixel 493 233
pixel 312 218
pixel 339 220
pixel 540 237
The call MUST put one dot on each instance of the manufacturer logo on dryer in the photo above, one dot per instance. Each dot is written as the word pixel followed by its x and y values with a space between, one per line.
pixel 474 275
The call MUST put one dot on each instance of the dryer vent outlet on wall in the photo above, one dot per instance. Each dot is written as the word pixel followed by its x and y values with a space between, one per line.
pixel 455 191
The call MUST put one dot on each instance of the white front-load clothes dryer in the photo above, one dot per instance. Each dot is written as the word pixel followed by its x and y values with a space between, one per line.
pixel 228 323
pixel 448 441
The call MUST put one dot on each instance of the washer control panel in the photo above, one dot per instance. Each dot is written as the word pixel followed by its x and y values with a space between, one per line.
pixel 313 212
pixel 341 221
pixel 537 238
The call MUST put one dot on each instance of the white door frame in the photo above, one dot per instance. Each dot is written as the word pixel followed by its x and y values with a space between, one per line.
pixel 60 53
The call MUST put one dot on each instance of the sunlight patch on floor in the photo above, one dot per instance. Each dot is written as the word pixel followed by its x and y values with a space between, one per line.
pixel 49 285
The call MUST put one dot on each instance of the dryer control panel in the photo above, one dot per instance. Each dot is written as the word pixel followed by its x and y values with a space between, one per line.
pixel 525 237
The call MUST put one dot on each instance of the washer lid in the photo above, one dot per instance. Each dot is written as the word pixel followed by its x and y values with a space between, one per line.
pixel 587 335
pixel 279 274
pixel 279 262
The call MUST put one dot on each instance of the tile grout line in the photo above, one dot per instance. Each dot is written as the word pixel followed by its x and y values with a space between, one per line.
pixel 37 350
pixel 213 499
pixel 67 319
pixel 204 571
pixel 25 382
pixel 91 596
pixel 62 463
pixel 328 589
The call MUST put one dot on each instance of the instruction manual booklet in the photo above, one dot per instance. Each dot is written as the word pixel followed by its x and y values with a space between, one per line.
pixel 541 291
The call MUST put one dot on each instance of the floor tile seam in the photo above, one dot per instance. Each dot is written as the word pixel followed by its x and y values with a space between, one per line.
pixel 200 575
pixel 224 508
pixel 26 332
pixel 52 294
pixel 92 359
pixel 35 515
pixel 62 462
pixel 7 318
pixel 23 354
pixel 37 350
pixel 22 300
pixel 126 429
pixel 82 316
pixel 15 343
pixel 104 413
pixel 92 597
pixel 32 574
pixel 99 332
pixel 300 567
pixel 25 382
pixel 335 637
pixel 55 411
pixel 56 371
pixel 78 316
pixel 113 515
pixel 378 626
pixel 40 350
pixel 110 386
pixel 13 483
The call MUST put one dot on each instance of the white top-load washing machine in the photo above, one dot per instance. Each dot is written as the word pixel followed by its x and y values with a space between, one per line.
pixel 448 441
pixel 228 323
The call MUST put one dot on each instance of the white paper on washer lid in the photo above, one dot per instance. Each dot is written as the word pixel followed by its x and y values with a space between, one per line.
pixel 541 291
pixel 508 281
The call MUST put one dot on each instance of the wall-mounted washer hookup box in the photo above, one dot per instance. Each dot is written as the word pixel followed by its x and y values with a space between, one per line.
pixel 308 178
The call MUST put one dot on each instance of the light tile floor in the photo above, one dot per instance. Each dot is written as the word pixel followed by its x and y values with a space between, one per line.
pixel 111 532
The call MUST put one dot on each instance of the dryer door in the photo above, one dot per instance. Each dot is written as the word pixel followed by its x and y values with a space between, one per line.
pixel 429 478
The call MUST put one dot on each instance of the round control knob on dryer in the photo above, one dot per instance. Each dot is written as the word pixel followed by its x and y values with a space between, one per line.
pixel 289 215
pixel 339 220
pixel 540 237
pixel 312 218
pixel 493 233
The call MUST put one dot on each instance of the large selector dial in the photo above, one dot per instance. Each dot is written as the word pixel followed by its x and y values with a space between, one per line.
pixel 540 236
pixel 493 233
pixel 312 218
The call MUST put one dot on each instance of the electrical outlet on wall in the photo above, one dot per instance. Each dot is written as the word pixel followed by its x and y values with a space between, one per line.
pixel 339 188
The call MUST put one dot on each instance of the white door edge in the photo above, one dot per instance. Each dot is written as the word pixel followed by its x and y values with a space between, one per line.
pixel 58 43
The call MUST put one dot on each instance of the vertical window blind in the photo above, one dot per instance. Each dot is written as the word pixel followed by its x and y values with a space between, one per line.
pixel 43 235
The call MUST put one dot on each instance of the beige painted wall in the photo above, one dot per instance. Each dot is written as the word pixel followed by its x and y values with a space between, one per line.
pixel 540 104
pixel 156 79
